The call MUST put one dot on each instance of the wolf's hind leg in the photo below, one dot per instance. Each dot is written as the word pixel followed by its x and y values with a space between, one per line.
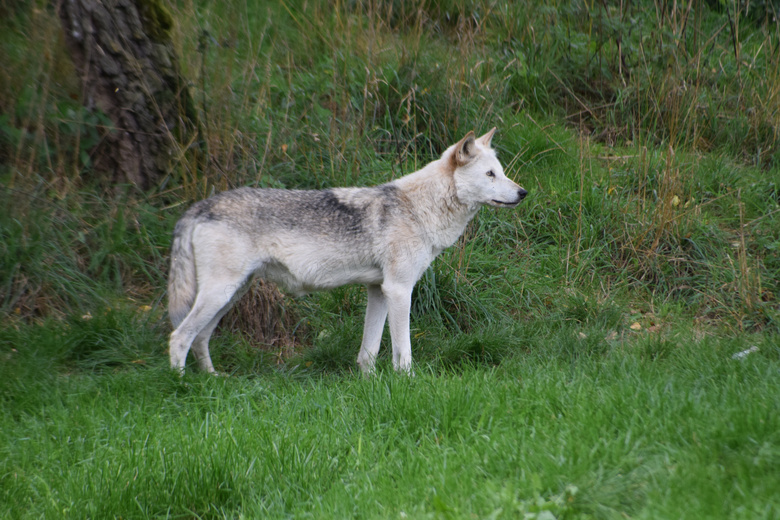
pixel 210 304
pixel 376 315
pixel 200 347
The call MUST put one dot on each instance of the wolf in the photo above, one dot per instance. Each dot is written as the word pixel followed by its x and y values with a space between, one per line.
pixel 384 237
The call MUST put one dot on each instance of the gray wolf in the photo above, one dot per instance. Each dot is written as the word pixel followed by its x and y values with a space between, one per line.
pixel 384 237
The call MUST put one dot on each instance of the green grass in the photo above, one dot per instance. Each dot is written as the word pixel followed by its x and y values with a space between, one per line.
pixel 573 356
pixel 579 428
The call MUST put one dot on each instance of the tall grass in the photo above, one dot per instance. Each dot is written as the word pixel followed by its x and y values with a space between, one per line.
pixel 605 114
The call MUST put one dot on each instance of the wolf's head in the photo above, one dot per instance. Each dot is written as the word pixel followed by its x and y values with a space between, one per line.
pixel 479 177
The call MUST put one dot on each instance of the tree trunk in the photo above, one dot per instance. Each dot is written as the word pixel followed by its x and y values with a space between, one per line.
pixel 123 53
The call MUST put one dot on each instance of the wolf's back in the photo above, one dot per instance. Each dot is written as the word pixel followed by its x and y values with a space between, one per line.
pixel 182 280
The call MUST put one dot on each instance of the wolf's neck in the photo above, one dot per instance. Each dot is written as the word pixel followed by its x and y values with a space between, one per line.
pixel 435 203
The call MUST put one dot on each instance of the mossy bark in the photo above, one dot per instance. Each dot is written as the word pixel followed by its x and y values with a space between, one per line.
pixel 123 53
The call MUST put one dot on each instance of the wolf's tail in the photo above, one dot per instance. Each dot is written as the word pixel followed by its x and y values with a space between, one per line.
pixel 182 280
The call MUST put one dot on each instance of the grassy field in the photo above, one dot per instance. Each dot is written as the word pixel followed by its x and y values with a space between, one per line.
pixel 653 429
pixel 609 349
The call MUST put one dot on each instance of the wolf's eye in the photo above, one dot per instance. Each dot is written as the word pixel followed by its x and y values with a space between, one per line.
pixel 490 173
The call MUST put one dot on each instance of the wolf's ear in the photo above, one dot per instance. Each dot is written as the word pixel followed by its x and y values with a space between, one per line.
pixel 465 150
pixel 485 139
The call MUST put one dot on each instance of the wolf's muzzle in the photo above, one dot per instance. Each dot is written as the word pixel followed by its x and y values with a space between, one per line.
pixel 521 193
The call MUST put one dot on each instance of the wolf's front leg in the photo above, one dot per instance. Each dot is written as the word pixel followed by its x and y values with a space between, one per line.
pixel 399 302
pixel 376 315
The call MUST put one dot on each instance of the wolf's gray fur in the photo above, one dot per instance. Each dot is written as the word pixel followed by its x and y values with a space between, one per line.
pixel 384 237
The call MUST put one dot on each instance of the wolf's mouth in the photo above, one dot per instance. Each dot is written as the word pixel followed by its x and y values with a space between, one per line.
pixel 502 203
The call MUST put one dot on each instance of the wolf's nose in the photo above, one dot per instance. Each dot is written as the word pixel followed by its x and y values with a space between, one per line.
pixel 521 193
